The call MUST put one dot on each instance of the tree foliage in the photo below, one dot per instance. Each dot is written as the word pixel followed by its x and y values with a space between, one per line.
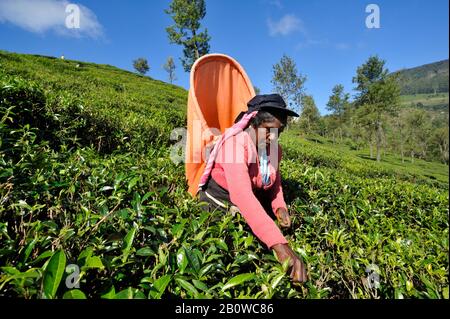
pixel 288 82
pixel 378 95
pixel 185 31
pixel 310 116
pixel 141 65
pixel 338 101
pixel 169 67
pixel 339 106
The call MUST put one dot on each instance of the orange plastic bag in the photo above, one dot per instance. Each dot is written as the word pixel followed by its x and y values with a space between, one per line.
pixel 219 91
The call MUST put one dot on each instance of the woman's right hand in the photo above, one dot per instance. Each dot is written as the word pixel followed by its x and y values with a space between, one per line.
pixel 298 269
pixel 283 217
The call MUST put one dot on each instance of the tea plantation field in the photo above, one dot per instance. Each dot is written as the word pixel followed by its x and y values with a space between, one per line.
pixel 87 191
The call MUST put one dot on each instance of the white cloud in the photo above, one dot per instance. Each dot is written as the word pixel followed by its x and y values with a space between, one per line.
pixel 41 16
pixel 286 25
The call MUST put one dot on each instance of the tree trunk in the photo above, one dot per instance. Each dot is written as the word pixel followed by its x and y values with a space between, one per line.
pixel 378 152
pixel 402 152
pixel 444 153
pixel 412 156
pixel 197 54
pixel 371 149
pixel 378 140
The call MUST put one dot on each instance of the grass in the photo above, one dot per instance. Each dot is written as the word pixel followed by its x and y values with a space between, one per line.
pixel 437 101
pixel 420 170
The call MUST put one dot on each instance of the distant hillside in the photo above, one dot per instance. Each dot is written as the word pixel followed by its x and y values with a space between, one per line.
pixel 426 79
pixel 425 87
pixel 431 102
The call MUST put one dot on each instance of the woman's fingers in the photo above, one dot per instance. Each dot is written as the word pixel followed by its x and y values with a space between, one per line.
pixel 298 272
pixel 284 219
pixel 303 276
pixel 297 268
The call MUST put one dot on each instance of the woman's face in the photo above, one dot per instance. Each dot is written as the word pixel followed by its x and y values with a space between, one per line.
pixel 268 132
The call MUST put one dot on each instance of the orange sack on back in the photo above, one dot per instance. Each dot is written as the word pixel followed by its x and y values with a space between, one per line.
pixel 219 91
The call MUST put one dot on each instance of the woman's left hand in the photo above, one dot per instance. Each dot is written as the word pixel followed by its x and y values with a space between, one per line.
pixel 283 217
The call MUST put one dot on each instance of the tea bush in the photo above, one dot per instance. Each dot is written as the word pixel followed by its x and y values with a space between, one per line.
pixel 86 180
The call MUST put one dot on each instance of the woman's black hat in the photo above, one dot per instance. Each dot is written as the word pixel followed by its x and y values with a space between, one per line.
pixel 267 102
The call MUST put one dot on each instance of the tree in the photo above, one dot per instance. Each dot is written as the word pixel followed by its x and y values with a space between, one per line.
pixel 257 90
pixel 400 132
pixel 365 124
pixel 338 101
pixel 288 82
pixel 338 104
pixel 187 15
pixel 141 65
pixel 441 139
pixel 419 127
pixel 310 116
pixel 332 125
pixel 170 69
pixel 378 96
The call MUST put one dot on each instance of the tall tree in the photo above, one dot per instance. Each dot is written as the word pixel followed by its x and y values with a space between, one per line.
pixel 141 65
pixel 331 125
pixel 186 15
pixel 288 82
pixel 365 123
pixel 418 123
pixel 441 139
pixel 310 116
pixel 378 96
pixel 338 101
pixel 338 104
pixel 400 137
pixel 169 67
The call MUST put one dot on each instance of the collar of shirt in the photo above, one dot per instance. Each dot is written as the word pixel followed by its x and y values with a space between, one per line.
pixel 264 169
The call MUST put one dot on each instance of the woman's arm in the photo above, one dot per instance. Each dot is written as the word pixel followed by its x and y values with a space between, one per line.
pixel 241 194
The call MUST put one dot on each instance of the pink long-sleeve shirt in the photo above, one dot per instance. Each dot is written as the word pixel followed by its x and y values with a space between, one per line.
pixel 237 170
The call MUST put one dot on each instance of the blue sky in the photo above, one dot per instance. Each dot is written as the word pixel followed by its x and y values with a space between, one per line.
pixel 327 39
